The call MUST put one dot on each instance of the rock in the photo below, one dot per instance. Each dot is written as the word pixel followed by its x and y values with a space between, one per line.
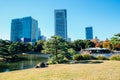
pixel 42 65
pixel 37 66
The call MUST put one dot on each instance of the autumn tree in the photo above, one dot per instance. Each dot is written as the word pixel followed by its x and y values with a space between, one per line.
pixel 96 42
pixel 106 44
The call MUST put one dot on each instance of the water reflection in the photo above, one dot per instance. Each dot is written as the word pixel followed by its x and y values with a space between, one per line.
pixel 33 59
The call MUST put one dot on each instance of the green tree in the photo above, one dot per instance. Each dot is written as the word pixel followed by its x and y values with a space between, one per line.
pixel 71 51
pixel 20 47
pixel 9 50
pixel 55 46
pixel 115 41
pixel 4 45
pixel 89 44
pixel 78 45
pixel 25 47
pixel 38 47
pixel 4 52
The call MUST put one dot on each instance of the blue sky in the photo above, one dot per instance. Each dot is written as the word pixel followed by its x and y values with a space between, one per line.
pixel 103 15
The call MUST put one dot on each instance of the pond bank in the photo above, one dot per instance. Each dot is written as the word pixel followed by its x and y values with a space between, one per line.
pixel 30 62
pixel 108 70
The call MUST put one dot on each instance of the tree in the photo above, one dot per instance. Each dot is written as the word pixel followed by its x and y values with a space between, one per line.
pixel 89 44
pixel 38 47
pixel 115 41
pixel 4 45
pixel 96 42
pixel 9 50
pixel 20 47
pixel 106 44
pixel 78 45
pixel 55 46
pixel 25 47
pixel 4 52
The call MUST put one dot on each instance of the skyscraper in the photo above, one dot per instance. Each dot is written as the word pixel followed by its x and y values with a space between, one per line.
pixel 24 29
pixel 61 23
pixel 89 33
pixel 39 33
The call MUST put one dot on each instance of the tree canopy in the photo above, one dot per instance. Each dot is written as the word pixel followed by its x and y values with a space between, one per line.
pixel 115 41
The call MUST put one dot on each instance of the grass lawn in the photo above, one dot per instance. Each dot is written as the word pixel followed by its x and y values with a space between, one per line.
pixel 107 70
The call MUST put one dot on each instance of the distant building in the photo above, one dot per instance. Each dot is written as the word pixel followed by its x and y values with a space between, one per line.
pixel 89 33
pixel 39 33
pixel 69 39
pixel 42 37
pixel 61 23
pixel 24 29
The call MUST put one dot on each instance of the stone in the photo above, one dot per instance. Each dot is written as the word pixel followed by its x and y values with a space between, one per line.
pixel 42 65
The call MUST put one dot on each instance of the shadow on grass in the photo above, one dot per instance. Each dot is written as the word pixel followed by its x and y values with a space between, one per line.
pixel 87 62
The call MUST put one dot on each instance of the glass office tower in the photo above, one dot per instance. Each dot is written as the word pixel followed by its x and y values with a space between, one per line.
pixel 89 33
pixel 61 23
pixel 24 29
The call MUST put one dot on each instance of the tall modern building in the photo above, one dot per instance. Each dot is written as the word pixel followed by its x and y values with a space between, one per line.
pixel 39 33
pixel 24 29
pixel 61 23
pixel 89 33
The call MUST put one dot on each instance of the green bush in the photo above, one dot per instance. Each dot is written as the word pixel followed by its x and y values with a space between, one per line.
pixel 77 57
pixel 115 57
pixel 65 60
pixel 100 57
pixel 51 60
pixel 60 58
pixel 87 56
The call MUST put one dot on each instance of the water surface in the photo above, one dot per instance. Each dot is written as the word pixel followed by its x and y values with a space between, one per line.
pixel 32 60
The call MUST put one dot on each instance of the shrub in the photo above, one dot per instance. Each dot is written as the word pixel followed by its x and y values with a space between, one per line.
pixel 115 57
pixel 61 59
pixel 87 56
pixel 65 60
pixel 52 60
pixel 77 57
pixel 100 57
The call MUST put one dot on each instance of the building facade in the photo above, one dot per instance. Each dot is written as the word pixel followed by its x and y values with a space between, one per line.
pixel 43 38
pixel 24 29
pixel 89 33
pixel 39 33
pixel 61 23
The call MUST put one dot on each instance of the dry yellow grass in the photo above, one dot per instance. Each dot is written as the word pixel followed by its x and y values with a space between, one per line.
pixel 108 70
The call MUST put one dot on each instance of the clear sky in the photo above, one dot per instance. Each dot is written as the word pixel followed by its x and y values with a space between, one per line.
pixel 103 15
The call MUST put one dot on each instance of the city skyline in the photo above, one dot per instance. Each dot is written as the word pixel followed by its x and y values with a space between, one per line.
pixel 103 15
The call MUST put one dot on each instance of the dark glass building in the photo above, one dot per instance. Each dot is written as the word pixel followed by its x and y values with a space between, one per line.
pixel 89 33
pixel 24 29
pixel 61 23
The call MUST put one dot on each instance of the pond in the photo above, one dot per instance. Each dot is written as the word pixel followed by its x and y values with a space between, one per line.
pixel 31 62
